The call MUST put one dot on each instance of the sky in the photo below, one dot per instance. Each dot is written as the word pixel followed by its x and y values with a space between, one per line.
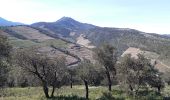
pixel 151 16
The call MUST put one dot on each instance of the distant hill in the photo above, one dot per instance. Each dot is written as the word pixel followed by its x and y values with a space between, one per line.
pixel 167 35
pixel 121 38
pixel 4 22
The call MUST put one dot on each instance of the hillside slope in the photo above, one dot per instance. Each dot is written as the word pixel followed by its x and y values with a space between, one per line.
pixel 28 37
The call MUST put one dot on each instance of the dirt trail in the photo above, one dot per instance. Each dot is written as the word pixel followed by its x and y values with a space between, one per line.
pixel 163 64
pixel 85 42
pixel 70 54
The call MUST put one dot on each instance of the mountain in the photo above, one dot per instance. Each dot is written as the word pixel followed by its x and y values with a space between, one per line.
pixel 167 35
pixel 4 22
pixel 121 38
pixel 64 26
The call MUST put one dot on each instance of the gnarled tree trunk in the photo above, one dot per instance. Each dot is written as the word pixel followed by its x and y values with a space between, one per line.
pixel 109 80
pixel 52 93
pixel 87 89
pixel 45 89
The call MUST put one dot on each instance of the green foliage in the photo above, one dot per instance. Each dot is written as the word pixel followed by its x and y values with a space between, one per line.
pixel 51 72
pixel 5 53
pixel 5 48
pixel 134 73
pixel 107 57
pixel 22 43
pixel 55 43
pixel 86 70
pixel 90 72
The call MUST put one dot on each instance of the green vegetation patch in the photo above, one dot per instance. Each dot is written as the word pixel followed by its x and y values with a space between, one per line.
pixel 22 43
pixel 78 93
pixel 55 42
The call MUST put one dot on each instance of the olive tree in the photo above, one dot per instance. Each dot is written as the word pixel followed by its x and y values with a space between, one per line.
pixel 106 56
pixel 5 50
pixel 50 71
pixel 72 73
pixel 134 73
pixel 154 79
pixel 87 72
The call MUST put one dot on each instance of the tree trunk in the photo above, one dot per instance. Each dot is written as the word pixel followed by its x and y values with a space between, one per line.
pixel 52 93
pixel 53 90
pixel 109 81
pixel 131 89
pixel 87 89
pixel 71 85
pixel 159 89
pixel 45 88
pixel 71 82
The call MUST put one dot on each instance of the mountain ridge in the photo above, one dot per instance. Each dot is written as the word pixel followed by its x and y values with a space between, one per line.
pixel 121 38
pixel 68 22
pixel 4 22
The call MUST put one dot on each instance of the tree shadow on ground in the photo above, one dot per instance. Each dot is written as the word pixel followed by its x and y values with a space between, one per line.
pixel 151 95
pixel 69 97
pixel 148 92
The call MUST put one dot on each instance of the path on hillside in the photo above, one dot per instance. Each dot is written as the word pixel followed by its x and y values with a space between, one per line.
pixel 163 64
pixel 70 54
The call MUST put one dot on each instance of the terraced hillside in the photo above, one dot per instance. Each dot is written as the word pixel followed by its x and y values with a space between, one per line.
pixel 30 33
pixel 159 64
pixel 26 37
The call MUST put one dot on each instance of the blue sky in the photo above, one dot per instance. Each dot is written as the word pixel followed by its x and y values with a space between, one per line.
pixel 146 15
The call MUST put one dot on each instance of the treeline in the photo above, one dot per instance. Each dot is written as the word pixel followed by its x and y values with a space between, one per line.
pixel 29 67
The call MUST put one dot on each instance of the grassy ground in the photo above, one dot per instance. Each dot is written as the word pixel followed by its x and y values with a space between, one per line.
pixel 78 93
